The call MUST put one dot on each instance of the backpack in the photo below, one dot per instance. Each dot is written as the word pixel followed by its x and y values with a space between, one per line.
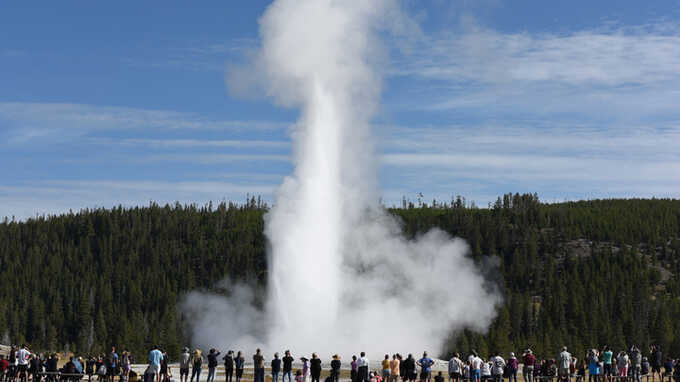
pixel 454 366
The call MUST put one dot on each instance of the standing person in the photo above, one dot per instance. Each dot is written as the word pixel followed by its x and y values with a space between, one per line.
pixel 315 368
pixel 513 366
pixel 497 367
pixel 564 365
pixel 402 367
pixel 212 364
pixel 4 365
pixel 196 362
pixel 657 361
pixel 622 362
pixel 409 368
pixel 635 363
pixel 581 371
pixel 354 369
pixel 52 367
pixel 89 367
pixel 276 367
pixel 607 356
pixel 155 358
pixel 362 365
pixel 386 370
pixel 258 366
pixel 35 367
pixel 184 363
pixel 335 368
pixel 455 368
pixel 593 366
pixel 485 371
pixel 287 366
pixel 475 366
pixel 668 367
pixel 113 364
pixel 166 372
pixel 395 372
pixel 425 364
pixel 239 363
pixel 125 363
pixel 529 361
pixel 22 356
pixel 228 366
pixel 305 368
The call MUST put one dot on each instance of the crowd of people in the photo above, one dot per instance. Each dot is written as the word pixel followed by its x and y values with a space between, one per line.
pixel 22 365
pixel 596 365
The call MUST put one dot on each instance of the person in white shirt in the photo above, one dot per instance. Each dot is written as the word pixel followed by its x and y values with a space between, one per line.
pixel 475 366
pixel 362 367
pixel 485 371
pixel 564 364
pixel 23 355
pixel 497 367
pixel 455 368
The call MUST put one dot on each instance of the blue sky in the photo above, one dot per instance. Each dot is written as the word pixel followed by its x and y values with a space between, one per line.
pixel 122 103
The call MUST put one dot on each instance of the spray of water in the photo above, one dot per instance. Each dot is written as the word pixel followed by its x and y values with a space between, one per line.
pixel 342 277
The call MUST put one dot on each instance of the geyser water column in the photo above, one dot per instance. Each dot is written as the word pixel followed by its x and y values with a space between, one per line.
pixel 316 56
pixel 304 230
pixel 342 277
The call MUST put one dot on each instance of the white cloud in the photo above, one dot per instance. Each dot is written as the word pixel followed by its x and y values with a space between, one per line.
pixel 226 143
pixel 26 121
pixel 628 72
pixel 611 57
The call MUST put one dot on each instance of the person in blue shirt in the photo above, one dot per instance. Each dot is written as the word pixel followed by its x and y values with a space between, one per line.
pixel 113 359
pixel 78 365
pixel 425 364
pixel 155 358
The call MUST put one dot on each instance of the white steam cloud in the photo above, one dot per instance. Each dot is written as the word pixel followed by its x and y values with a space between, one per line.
pixel 342 278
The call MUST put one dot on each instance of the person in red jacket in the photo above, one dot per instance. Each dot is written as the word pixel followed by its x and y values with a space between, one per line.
pixel 529 361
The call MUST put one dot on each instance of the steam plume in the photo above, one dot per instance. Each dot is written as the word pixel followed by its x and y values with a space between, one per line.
pixel 342 277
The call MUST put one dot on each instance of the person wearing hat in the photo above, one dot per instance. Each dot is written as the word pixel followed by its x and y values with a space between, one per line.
pixel 305 368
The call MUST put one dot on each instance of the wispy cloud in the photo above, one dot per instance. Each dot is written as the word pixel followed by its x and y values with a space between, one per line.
pixel 25 121
pixel 196 143
pixel 211 56
pixel 630 71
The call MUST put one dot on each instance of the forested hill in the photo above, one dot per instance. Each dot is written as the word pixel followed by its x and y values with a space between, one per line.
pixel 579 273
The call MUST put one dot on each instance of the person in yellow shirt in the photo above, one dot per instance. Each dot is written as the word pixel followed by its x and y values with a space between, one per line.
pixel 386 368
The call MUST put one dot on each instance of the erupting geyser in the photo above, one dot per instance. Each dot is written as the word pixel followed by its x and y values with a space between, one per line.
pixel 342 278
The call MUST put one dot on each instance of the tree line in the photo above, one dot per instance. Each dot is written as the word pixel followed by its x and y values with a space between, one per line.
pixel 580 274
